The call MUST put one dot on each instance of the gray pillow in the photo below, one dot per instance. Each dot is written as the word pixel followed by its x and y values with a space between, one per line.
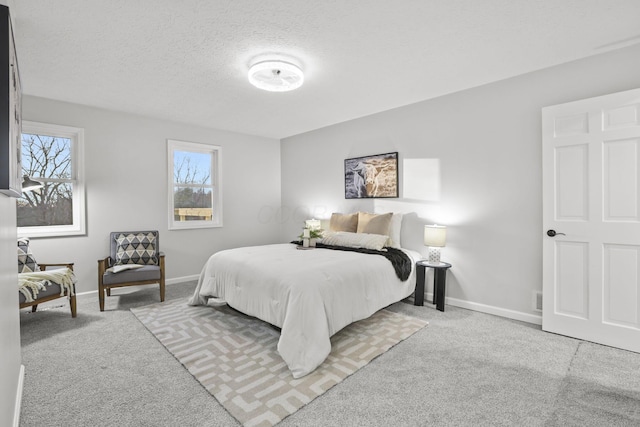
pixel 136 248
pixel 26 261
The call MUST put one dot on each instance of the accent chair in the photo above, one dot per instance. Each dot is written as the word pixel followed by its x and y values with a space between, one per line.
pixel 134 259
pixel 37 283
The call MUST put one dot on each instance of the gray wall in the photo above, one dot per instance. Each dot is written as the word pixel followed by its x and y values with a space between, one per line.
pixel 9 319
pixel 488 143
pixel 126 188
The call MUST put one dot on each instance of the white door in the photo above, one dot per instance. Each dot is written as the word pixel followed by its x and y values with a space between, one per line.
pixel 591 194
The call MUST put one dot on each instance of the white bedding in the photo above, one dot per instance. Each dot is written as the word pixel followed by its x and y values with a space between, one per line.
pixel 309 294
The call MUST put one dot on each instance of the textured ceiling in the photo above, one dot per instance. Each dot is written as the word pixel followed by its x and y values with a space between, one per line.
pixel 187 60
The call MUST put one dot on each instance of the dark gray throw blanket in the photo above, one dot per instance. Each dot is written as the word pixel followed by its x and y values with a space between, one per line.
pixel 399 260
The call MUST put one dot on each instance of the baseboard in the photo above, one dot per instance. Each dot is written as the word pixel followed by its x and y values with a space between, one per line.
pixel 496 311
pixel 489 309
pixel 182 279
pixel 18 406
pixel 173 281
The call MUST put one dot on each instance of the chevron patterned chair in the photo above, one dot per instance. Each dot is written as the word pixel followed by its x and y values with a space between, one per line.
pixel 134 259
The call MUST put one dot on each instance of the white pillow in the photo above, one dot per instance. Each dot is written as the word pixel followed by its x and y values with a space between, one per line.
pixel 395 226
pixel 356 240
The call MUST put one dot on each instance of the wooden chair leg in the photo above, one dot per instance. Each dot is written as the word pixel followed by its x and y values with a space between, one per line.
pixel 101 297
pixel 34 308
pixel 161 291
pixel 72 304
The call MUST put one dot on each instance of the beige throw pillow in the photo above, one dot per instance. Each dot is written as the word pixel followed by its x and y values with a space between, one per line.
pixel 374 223
pixel 343 222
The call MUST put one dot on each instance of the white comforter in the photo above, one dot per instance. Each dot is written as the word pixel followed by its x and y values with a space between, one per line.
pixel 309 294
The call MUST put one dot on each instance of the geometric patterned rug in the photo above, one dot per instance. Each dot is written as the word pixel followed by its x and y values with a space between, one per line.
pixel 234 356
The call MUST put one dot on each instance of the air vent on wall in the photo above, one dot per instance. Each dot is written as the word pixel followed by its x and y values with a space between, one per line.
pixel 537 301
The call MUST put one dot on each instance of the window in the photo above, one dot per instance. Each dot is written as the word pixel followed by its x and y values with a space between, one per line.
pixel 195 190
pixel 52 155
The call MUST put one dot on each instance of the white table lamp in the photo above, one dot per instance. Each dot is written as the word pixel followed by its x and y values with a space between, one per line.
pixel 435 237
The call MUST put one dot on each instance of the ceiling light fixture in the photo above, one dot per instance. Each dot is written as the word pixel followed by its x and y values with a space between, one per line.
pixel 276 76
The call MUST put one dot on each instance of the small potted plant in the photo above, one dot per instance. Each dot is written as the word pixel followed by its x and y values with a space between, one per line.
pixel 310 236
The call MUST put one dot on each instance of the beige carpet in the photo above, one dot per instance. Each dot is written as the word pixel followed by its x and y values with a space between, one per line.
pixel 235 358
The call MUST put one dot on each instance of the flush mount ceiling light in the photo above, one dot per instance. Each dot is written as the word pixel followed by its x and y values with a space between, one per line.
pixel 276 76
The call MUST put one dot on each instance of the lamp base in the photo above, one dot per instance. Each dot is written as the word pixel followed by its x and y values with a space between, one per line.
pixel 434 255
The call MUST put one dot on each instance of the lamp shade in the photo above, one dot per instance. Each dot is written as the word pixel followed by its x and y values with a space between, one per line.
pixel 313 224
pixel 435 235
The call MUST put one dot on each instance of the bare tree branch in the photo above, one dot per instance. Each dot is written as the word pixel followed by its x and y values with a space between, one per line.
pixel 46 157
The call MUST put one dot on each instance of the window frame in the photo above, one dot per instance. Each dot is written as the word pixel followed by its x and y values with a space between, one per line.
pixel 216 183
pixel 76 135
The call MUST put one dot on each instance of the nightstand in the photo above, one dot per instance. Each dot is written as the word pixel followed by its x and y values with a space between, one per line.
pixel 439 282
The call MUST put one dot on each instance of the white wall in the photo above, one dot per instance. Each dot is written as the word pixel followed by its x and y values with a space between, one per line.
pixel 9 318
pixel 488 143
pixel 126 188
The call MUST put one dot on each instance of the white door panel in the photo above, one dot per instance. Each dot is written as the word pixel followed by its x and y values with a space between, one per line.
pixel 620 162
pixel 572 182
pixel 591 197
pixel 621 267
pixel 572 277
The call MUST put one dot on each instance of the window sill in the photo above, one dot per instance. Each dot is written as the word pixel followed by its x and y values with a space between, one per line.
pixel 54 231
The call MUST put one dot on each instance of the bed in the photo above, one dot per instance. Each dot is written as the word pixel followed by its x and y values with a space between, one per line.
pixel 309 294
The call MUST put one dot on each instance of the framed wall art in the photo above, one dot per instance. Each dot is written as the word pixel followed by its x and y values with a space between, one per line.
pixel 10 111
pixel 373 176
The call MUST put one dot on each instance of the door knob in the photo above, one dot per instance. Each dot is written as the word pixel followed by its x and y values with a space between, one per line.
pixel 552 233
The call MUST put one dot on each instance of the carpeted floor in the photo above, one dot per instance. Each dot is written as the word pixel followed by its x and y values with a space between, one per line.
pixel 464 369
